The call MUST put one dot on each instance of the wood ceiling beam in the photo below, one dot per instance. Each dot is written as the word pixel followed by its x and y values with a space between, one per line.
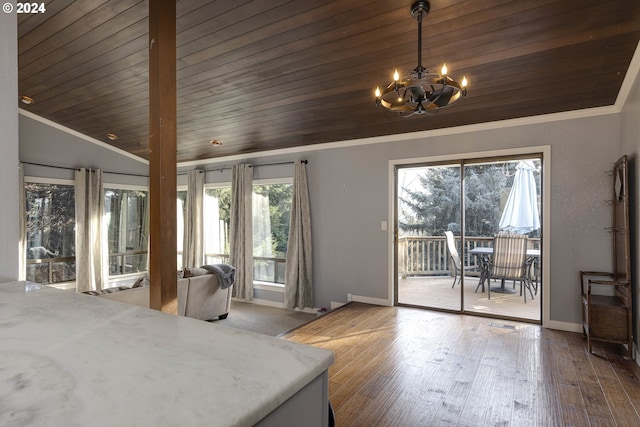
pixel 162 160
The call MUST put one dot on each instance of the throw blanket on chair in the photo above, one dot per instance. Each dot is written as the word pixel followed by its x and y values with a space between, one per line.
pixel 226 273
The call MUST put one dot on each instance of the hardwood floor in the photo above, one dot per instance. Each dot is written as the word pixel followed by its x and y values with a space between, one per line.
pixel 398 366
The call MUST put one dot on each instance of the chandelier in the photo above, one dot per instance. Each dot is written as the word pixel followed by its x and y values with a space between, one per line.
pixel 421 91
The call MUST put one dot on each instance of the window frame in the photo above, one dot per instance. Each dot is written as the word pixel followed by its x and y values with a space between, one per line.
pixel 259 284
pixel 210 186
pixel 131 187
pixel 29 179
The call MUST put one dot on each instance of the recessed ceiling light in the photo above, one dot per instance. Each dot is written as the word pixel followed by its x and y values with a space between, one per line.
pixel 26 100
pixel 215 142
pixel 112 136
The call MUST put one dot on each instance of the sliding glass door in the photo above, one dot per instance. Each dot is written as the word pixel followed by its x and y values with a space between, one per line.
pixel 503 196
pixel 428 205
pixel 447 216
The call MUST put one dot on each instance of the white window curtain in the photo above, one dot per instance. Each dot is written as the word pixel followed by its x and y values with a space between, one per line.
pixel 92 253
pixel 298 291
pixel 241 242
pixel 22 224
pixel 193 255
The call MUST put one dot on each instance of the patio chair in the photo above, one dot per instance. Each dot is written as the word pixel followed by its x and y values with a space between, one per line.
pixel 458 268
pixel 509 261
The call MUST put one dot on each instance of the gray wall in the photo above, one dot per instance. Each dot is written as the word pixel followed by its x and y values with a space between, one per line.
pixel 45 144
pixel 9 158
pixel 350 197
pixel 630 145
pixel 351 251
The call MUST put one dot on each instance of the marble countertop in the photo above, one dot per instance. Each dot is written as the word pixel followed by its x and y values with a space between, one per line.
pixel 76 360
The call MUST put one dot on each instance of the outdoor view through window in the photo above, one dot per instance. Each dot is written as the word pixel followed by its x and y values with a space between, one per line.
pixel 484 197
pixel 50 226
pixel 50 239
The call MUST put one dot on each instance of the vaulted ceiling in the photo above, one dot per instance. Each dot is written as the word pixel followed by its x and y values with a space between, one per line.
pixel 267 74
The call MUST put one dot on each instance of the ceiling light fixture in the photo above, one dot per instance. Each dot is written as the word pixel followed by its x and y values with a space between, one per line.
pixel 215 142
pixel 26 100
pixel 422 91
pixel 112 136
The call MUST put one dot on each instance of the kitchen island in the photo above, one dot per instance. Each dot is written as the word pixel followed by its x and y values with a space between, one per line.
pixel 76 360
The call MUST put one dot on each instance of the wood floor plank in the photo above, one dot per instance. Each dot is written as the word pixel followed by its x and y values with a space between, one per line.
pixel 501 401
pixel 595 402
pixel 566 383
pixel 622 409
pixel 458 394
pixel 399 366
pixel 476 409
pixel 527 391
pixel 627 372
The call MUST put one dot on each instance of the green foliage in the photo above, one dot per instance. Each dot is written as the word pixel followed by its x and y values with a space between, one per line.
pixel 433 206
pixel 429 209
pixel 279 196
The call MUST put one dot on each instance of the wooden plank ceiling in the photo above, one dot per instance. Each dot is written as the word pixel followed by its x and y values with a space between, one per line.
pixel 268 74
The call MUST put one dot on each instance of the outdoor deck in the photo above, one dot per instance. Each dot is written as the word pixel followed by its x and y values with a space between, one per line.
pixel 436 292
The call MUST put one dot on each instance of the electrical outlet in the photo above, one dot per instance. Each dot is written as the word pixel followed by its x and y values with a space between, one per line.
pixel 348 297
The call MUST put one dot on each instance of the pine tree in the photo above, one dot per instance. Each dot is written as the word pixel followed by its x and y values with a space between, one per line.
pixel 434 207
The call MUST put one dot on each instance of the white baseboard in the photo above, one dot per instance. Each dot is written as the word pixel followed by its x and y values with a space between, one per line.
pixel 276 305
pixel 270 287
pixel 335 304
pixel 369 300
pixel 64 286
pixel 262 302
pixel 565 326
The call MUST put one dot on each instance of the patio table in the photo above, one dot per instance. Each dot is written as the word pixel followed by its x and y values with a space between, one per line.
pixel 485 254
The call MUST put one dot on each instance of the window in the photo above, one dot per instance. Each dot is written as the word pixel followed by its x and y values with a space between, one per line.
pixel 181 211
pixel 127 229
pixel 271 214
pixel 271 201
pixel 50 227
pixel 217 212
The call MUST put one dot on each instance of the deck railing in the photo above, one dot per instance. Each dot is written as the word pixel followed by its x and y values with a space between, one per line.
pixel 429 256
pixel 51 270
pixel 417 256
pixel 127 262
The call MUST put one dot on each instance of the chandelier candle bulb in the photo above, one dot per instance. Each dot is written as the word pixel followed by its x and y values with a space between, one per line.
pixel 444 70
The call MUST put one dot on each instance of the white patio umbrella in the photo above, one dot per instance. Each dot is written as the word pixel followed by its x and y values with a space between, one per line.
pixel 521 213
